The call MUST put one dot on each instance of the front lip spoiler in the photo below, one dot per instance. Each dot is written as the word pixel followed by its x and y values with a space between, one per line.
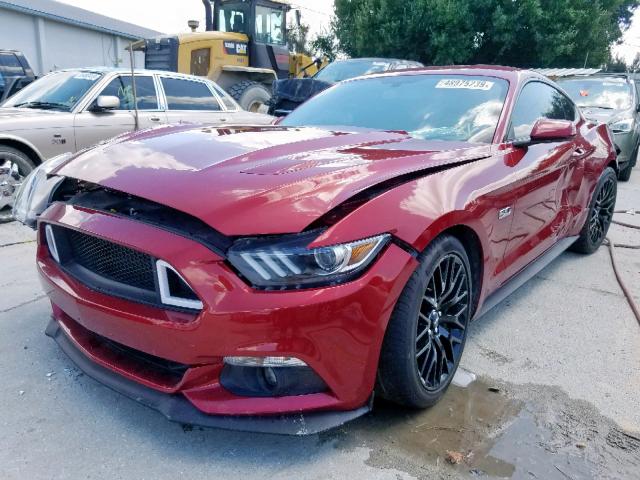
pixel 178 409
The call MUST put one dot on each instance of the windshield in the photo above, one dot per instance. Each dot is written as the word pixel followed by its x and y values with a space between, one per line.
pixel 343 70
pixel 607 93
pixel 430 107
pixel 56 91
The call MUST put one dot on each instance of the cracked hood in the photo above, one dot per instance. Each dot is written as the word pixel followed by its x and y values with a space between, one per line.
pixel 259 180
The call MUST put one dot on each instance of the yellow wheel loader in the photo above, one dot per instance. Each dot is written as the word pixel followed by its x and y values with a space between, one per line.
pixel 244 49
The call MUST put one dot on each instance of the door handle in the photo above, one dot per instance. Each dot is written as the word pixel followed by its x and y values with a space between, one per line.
pixel 155 119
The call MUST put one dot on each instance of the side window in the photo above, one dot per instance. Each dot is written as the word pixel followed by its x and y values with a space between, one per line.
pixel 188 95
pixel 10 66
pixel 539 100
pixel 269 25
pixel 200 62
pixel 122 88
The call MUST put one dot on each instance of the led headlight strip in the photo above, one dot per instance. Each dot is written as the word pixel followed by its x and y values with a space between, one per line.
pixel 286 262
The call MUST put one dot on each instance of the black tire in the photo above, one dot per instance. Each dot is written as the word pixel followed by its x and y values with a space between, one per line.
pixel 625 173
pixel 25 166
pixel 250 95
pixel 601 208
pixel 403 377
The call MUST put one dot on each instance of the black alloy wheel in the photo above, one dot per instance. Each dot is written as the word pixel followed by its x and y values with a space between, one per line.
pixel 427 330
pixel 602 212
pixel 442 322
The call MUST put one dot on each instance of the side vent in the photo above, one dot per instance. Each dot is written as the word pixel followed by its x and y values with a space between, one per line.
pixel 174 290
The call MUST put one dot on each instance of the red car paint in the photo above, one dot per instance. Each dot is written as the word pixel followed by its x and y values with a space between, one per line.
pixel 270 180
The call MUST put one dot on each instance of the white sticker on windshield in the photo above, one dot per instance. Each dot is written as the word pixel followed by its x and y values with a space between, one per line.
pixel 468 84
pixel 86 76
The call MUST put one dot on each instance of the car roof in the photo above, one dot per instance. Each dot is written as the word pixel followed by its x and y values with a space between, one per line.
pixel 511 74
pixel 128 70
pixel 604 76
pixel 375 59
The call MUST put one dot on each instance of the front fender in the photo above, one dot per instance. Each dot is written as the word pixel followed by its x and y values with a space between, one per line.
pixel 16 140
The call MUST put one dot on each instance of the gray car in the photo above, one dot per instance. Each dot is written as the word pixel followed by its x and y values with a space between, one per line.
pixel 611 99
pixel 69 110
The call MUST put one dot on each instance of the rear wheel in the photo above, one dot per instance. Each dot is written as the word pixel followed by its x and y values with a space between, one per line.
pixel 600 215
pixel 428 328
pixel 14 167
pixel 252 96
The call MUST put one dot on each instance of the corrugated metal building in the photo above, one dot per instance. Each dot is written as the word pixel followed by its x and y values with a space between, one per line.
pixel 55 35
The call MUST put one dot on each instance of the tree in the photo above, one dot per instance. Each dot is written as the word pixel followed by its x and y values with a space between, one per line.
pixel 535 33
pixel 325 45
pixel 297 38
pixel 616 65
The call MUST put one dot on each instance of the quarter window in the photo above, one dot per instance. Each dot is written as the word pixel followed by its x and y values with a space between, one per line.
pixel 122 88
pixel 229 102
pixel 539 100
pixel 188 95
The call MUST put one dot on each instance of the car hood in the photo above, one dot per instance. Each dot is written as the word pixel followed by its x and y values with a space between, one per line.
pixel 10 113
pixel 601 115
pixel 259 180
pixel 13 119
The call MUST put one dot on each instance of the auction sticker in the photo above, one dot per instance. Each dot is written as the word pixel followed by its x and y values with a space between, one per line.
pixel 466 84
pixel 86 76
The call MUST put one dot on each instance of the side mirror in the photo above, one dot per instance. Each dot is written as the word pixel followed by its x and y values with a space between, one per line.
pixel 546 130
pixel 106 102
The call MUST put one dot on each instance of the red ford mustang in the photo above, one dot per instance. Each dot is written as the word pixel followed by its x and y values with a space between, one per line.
pixel 274 278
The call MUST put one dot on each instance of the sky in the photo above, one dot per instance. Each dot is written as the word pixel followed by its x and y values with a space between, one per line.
pixel 171 16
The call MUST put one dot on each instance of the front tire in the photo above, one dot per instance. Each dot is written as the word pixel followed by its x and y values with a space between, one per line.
pixel 600 214
pixel 251 96
pixel 14 167
pixel 427 331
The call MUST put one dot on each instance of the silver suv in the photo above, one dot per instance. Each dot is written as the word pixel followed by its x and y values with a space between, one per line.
pixel 68 110
pixel 611 99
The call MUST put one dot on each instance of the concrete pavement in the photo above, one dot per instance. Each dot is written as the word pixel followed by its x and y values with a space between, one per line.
pixel 556 397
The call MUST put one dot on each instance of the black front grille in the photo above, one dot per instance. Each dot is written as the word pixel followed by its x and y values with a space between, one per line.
pixel 117 270
pixel 112 261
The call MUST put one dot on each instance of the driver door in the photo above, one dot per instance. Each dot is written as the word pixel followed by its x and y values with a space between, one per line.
pixel 541 175
pixel 92 127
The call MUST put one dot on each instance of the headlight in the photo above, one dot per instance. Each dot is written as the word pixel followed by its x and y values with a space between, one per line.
pixel 286 262
pixel 623 125
pixel 34 195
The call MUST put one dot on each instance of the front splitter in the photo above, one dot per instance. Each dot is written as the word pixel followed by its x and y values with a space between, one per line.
pixel 178 409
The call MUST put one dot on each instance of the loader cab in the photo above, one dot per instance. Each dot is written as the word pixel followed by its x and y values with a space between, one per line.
pixel 264 23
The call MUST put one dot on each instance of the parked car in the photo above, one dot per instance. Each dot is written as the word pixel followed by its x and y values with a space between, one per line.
pixel 289 93
pixel 70 110
pixel 15 73
pixel 611 99
pixel 270 278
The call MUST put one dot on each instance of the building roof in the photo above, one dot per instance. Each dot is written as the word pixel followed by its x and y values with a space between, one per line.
pixel 61 12
pixel 565 72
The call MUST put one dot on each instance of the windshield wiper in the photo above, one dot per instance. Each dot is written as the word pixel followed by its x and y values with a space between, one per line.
pixel 601 107
pixel 43 105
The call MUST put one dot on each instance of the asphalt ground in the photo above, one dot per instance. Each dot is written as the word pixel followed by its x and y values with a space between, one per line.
pixel 556 395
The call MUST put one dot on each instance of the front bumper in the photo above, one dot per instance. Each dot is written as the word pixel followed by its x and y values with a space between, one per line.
pixel 178 409
pixel 337 331
pixel 626 143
